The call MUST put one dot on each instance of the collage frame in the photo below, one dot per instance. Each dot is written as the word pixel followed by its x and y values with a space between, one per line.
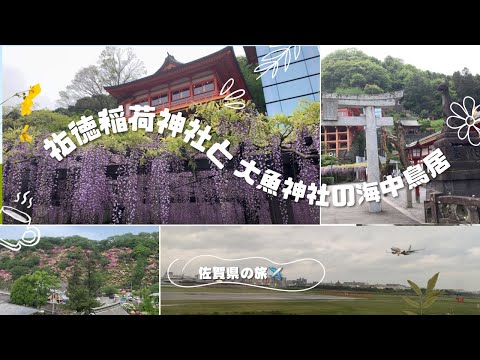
pixel 239 157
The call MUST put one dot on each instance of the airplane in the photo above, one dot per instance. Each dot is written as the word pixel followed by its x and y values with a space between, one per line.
pixel 276 272
pixel 397 251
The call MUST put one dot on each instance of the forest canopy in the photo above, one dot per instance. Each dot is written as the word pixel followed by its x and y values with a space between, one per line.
pixel 351 71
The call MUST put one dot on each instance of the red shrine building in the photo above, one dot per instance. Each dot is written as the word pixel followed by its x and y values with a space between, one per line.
pixel 419 149
pixel 337 139
pixel 178 85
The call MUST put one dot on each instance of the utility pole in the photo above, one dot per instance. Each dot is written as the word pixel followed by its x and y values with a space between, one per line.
pixel 52 294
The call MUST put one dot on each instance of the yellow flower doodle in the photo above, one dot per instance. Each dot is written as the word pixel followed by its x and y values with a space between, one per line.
pixel 24 136
pixel 28 99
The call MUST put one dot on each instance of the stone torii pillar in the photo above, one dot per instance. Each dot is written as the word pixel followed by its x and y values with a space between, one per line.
pixel 330 104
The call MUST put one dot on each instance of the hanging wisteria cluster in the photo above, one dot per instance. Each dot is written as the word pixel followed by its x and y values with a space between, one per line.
pixel 343 170
pixel 149 182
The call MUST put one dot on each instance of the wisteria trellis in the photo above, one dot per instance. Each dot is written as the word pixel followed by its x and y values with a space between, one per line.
pixel 98 185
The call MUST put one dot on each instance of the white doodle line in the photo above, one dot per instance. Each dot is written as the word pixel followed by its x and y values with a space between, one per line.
pixel 26 219
pixel 239 283
pixel 237 105
pixel 24 199
pixel 271 62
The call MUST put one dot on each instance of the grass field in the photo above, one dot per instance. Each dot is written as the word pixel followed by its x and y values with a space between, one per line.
pixel 364 304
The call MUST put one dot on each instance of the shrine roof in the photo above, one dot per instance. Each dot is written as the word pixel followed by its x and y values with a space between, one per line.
pixel 425 141
pixel 409 122
pixel 223 61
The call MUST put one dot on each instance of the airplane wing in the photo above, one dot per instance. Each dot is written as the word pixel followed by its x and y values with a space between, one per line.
pixel 414 251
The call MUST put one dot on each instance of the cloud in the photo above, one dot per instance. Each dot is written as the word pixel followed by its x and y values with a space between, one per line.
pixel 475 252
pixel 348 253
pixel 426 57
pixel 13 82
pixel 55 66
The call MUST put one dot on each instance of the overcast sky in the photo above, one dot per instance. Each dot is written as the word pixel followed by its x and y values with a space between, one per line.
pixel 348 253
pixel 55 66
pixel 96 232
pixel 444 59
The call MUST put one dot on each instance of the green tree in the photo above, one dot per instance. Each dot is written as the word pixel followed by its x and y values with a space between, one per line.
pixel 138 273
pixel 395 68
pixel 141 251
pixel 328 160
pixel 464 83
pixel 79 297
pixel 23 292
pixel 352 68
pixel 358 80
pixel 109 290
pixel 34 289
pixel 94 104
pixel 63 264
pixel 93 278
pixel 349 91
pixel 115 66
pixel 421 95
pixel 147 304
pixel 254 86
pixel 12 112
pixel 76 254
pixel 155 288
pixel 118 66
pixel 40 120
pixel 19 270
pixel 31 261
pixel 352 72
pixel 371 89
pixel 359 144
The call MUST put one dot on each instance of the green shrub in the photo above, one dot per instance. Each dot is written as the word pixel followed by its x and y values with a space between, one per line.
pixel 329 180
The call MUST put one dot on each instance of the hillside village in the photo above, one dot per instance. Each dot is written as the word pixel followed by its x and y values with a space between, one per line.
pixel 118 275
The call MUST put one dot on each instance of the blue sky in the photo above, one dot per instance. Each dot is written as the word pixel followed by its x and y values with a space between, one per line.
pixel 93 232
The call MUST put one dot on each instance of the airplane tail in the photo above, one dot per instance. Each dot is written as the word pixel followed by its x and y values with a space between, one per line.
pixel 410 248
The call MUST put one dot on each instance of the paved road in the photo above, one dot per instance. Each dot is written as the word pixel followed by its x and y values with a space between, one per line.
pixel 201 296
pixel 360 214
pixel 104 300
pixel 417 209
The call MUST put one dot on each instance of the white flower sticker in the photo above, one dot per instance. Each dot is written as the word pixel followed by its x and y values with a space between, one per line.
pixel 470 121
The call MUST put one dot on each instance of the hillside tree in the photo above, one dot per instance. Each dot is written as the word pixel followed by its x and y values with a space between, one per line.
pixel 115 66
pixel 33 290
pixel 79 297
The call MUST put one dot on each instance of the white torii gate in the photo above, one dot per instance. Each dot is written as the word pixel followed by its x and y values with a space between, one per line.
pixel 330 104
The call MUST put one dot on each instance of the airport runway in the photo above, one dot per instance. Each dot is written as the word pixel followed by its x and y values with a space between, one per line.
pixel 201 296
